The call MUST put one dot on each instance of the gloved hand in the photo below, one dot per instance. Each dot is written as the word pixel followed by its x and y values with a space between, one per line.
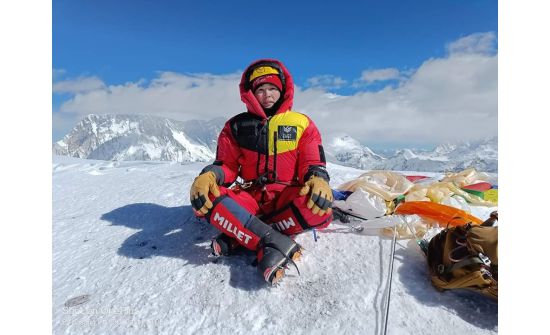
pixel 320 201
pixel 204 184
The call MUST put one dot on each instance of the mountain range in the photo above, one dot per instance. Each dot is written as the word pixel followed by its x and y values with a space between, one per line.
pixel 481 154
pixel 141 137
pixel 145 137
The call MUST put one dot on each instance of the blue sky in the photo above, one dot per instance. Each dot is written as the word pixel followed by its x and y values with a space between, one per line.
pixel 327 46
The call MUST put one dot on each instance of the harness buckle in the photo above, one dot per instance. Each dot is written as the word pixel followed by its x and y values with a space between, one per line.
pixel 484 259
pixel 247 184
pixel 486 273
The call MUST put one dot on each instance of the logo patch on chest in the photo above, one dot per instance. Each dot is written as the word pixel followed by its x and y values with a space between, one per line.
pixel 287 133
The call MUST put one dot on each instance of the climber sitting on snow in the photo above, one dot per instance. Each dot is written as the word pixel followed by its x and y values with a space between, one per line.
pixel 278 153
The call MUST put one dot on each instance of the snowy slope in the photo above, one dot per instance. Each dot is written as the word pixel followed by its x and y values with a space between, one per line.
pixel 130 258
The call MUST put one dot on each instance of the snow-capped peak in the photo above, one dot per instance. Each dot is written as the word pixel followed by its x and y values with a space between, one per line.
pixel 140 137
pixel 453 156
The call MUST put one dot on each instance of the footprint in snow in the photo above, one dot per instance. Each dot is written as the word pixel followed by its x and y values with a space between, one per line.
pixel 79 300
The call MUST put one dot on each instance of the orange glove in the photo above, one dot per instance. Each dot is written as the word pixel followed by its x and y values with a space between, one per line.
pixel 202 186
pixel 320 201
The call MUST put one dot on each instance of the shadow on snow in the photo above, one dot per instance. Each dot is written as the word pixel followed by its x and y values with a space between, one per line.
pixel 472 307
pixel 176 232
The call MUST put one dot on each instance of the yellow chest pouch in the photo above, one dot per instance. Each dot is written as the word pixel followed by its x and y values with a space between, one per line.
pixel 285 130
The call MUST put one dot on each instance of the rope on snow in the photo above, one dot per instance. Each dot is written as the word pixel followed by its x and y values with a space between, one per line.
pixel 390 276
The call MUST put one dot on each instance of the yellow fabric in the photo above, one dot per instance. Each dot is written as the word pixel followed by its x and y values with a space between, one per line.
pixel 466 177
pixel 439 191
pixel 290 118
pixel 491 195
pixel 262 71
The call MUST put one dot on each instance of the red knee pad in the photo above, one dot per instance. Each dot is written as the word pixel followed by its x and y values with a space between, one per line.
pixel 295 217
pixel 244 199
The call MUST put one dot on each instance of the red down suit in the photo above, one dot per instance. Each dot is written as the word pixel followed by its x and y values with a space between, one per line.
pixel 273 156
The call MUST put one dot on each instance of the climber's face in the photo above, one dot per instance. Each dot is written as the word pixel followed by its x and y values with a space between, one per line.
pixel 267 95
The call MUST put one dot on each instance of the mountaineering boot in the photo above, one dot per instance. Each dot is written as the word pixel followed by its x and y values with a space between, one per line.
pixel 275 250
pixel 272 263
pixel 223 245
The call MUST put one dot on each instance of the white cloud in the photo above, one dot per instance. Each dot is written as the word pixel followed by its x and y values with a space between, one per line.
pixel 449 98
pixel 172 95
pixel 478 43
pixel 445 99
pixel 79 85
pixel 370 76
pixel 326 81
pixel 62 124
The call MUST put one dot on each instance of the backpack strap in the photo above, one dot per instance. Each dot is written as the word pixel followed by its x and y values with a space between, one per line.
pixel 479 259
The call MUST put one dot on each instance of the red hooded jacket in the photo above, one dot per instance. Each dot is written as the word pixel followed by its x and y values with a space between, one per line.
pixel 276 151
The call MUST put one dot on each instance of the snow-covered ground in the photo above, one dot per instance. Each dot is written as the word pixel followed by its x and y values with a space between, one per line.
pixel 129 257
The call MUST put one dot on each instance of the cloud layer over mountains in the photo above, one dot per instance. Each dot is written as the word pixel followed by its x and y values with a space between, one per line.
pixel 445 99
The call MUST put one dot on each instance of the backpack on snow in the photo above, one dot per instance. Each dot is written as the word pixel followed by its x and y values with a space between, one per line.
pixel 465 257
